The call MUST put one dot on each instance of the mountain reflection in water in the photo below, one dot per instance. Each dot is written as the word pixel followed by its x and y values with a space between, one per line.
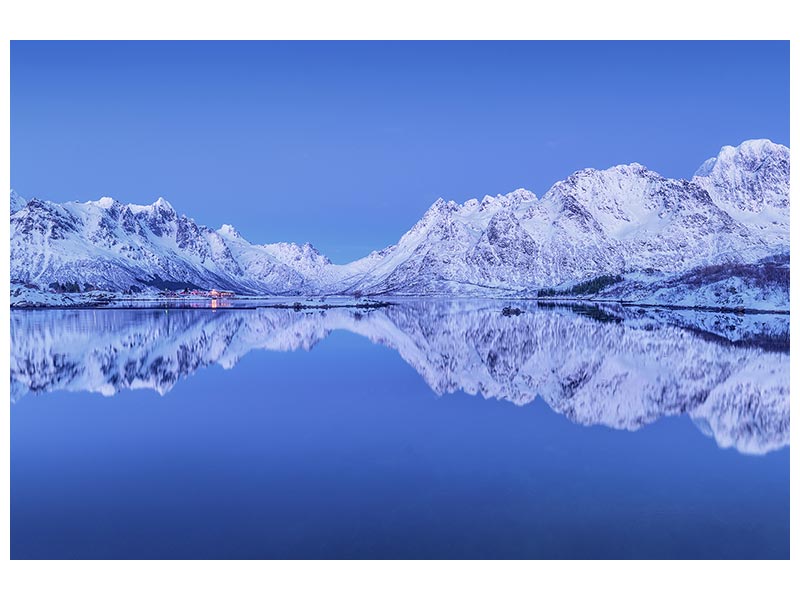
pixel 618 367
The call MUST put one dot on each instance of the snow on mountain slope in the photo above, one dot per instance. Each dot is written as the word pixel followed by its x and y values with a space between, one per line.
pixel 625 220
pixel 622 373
pixel 431 257
pixel 751 177
pixel 108 245
pixel 17 202
pixel 760 285
pixel 751 183
pixel 619 220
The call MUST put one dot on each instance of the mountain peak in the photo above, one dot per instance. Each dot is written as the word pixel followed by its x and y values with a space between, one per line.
pixel 229 231
pixel 17 202
pixel 747 151
pixel 163 204
pixel 104 202
pixel 522 195
pixel 437 209
pixel 748 177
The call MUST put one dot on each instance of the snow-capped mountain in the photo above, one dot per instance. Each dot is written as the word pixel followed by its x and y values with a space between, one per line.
pixel 753 177
pixel 621 369
pixel 624 221
pixel 751 183
pixel 108 245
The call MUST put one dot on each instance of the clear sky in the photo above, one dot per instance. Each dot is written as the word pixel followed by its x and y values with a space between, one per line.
pixel 346 144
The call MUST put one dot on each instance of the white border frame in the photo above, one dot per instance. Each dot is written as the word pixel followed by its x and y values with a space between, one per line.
pixel 413 19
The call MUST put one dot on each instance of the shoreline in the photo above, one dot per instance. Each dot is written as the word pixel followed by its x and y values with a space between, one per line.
pixel 383 302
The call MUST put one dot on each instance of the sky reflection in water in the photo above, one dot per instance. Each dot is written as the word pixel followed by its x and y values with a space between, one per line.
pixel 388 443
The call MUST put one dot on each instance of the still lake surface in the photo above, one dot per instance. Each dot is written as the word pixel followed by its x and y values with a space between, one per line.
pixel 423 429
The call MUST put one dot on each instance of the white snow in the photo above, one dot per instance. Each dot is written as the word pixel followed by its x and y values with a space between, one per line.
pixel 622 220
pixel 17 202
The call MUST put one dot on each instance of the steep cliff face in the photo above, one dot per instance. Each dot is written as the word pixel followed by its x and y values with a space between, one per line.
pixel 752 177
pixel 751 183
pixel 626 220
pixel 111 246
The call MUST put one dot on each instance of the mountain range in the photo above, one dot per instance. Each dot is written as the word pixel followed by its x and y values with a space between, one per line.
pixel 719 239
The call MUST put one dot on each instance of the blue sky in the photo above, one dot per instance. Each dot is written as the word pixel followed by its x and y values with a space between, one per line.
pixel 346 144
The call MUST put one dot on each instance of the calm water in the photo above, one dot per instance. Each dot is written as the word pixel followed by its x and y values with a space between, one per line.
pixel 421 430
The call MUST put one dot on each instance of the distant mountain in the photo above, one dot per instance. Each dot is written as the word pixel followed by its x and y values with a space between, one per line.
pixel 622 368
pixel 626 221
